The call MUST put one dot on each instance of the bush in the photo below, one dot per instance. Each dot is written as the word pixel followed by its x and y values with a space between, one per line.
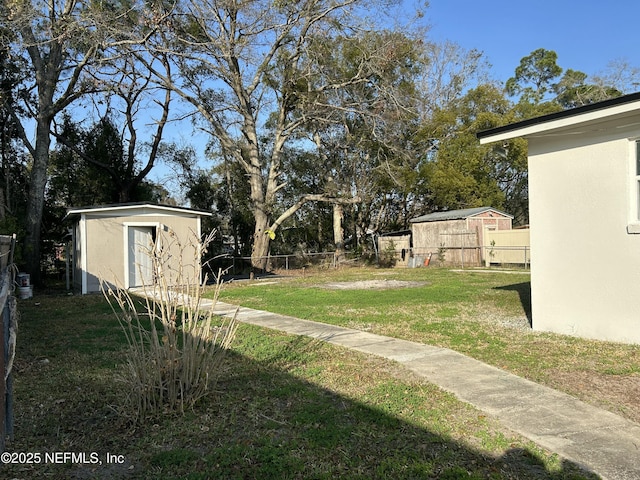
pixel 175 345
pixel 388 257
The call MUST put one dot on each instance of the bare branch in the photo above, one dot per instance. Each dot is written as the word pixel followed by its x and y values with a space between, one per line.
pixel 310 198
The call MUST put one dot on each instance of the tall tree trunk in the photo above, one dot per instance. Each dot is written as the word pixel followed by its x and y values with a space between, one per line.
pixel 3 205
pixel 35 205
pixel 4 176
pixel 261 242
pixel 338 230
pixel 260 207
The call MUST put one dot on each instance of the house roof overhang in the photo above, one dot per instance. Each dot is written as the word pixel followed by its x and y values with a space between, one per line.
pixel 124 208
pixel 625 110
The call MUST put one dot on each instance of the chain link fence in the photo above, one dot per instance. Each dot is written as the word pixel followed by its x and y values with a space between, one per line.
pixel 232 265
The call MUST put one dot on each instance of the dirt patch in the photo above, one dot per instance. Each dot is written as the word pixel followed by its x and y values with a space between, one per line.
pixel 616 393
pixel 373 285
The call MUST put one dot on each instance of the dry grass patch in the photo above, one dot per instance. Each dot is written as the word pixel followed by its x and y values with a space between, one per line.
pixel 372 285
pixel 617 393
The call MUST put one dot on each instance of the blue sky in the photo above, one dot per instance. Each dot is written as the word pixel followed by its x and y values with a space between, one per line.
pixel 586 35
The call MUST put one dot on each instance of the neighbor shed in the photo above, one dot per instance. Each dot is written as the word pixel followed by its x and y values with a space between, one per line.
pixel 456 236
pixel 115 243
pixel 397 244
pixel 584 211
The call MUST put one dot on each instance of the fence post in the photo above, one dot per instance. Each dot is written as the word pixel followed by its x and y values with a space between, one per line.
pixel 6 340
pixel 7 430
pixel 3 384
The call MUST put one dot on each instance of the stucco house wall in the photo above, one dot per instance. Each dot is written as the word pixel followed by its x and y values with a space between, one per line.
pixel 104 245
pixel 584 218
pixel 585 271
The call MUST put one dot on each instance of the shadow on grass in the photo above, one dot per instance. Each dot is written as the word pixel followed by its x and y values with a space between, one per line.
pixel 267 418
pixel 524 292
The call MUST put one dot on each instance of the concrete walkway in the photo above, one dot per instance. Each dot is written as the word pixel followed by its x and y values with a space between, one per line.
pixel 600 441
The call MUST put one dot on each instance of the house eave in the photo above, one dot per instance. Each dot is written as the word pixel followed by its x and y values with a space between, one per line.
pixel 585 116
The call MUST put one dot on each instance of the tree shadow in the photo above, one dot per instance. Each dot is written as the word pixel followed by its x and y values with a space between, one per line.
pixel 266 419
pixel 524 292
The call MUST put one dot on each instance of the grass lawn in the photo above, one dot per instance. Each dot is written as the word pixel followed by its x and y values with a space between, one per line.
pixel 483 315
pixel 284 407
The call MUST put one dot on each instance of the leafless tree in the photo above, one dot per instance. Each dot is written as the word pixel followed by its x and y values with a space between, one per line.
pixel 255 72
pixel 620 75
pixel 129 98
pixel 61 41
pixel 56 39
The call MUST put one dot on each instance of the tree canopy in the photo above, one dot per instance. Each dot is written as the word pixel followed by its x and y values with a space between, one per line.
pixel 326 123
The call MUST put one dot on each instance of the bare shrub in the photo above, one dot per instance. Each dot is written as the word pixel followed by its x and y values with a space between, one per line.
pixel 176 344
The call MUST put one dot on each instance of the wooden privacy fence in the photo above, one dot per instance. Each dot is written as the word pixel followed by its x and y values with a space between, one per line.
pixel 460 247
pixel 8 336
pixel 455 248
pixel 507 247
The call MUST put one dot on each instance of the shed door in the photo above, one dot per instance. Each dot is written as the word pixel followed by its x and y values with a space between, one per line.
pixel 141 240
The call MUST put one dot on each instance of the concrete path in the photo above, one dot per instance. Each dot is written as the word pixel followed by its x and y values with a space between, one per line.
pixel 598 440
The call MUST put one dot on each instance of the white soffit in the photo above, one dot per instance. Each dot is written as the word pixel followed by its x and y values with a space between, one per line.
pixel 575 124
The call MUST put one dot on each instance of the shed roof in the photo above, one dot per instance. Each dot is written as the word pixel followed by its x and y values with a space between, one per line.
pixel 456 214
pixel 397 233
pixel 623 107
pixel 124 207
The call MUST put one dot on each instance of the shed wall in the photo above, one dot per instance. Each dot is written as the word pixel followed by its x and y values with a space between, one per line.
pixel 106 239
pixel 401 246
pixel 450 238
pixel 77 257
pixel 479 222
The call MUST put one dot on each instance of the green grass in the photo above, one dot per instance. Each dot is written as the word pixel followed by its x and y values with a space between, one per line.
pixel 284 407
pixel 483 315
pixel 444 291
